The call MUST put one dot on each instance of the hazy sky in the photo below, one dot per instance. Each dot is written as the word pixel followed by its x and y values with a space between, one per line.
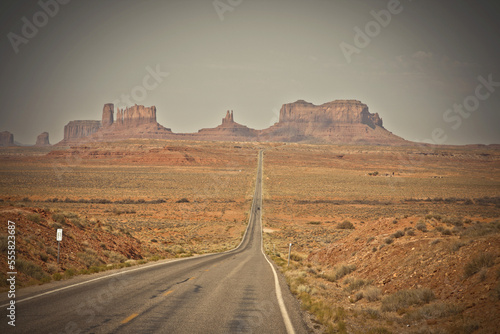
pixel 411 66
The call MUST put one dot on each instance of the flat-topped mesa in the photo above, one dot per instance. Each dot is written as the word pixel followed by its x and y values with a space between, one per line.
pixel 42 139
pixel 136 115
pixel 6 138
pixel 335 112
pixel 75 130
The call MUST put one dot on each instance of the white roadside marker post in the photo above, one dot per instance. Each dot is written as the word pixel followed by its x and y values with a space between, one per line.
pixel 289 252
pixel 59 239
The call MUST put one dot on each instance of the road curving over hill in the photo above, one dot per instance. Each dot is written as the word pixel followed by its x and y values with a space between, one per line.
pixel 238 291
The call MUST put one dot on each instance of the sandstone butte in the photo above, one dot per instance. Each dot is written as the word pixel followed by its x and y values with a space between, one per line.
pixel 42 139
pixel 6 138
pixel 340 121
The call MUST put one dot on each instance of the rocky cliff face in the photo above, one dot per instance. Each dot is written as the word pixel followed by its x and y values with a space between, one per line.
pixel 75 130
pixel 336 112
pixel 341 121
pixel 107 115
pixel 6 138
pixel 43 139
pixel 136 115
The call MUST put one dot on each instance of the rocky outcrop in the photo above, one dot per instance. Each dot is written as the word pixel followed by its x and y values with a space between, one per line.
pixel 228 119
pixel 336 112
pixel 43 139
pixel 228 130
pixel 6 138
pixel 136 115
pixel 76 130
pixel 107 115
pixel 341 121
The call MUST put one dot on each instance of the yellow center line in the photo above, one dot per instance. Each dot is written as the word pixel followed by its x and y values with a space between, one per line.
pixel 192 278
pixel 124 321
pixel 207 269
pixel 168 292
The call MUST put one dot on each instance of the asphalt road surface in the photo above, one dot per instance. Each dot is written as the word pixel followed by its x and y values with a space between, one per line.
pixel 238 291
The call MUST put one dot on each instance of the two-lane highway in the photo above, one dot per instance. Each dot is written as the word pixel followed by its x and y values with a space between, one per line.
pixel 233 292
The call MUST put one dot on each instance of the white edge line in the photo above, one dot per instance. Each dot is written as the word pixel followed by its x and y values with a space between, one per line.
pixel 279 296
pixel 138 268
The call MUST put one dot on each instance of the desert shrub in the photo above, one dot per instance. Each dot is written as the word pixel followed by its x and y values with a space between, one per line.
pixel 57 276
pixel 115 257
pixel 77 222
pixel 395 221
pixel 314 223
pixel 51 251
pixel 345 225
pixel 52 268
pixel 435 242
pixel 182 200
pixel 339 272
pixel 43 256
pixel 370 239
pixel 31 269
pixel 34 217
pixel 398 234
pixel 295 257
pixel 455 245
pixel 89 258
pixel 410 232
pixel 372 293
pixel 479 262
pixel 446 231
pixel 372 313
pixel 436 217
pixel 482 229
pixel 421 226
pixel 70 272
pixel 453 221
pixel 354 284
pixel 389 240
pixel 434 311
pixel 59 218
pixel 404 298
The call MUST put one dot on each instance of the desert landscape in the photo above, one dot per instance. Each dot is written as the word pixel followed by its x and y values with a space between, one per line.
pixel 385 239
pixel 230 166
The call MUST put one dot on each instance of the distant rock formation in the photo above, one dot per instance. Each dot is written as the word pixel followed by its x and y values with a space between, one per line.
pixel 136 115
pixel 43 139
pixel 107 115
pixel 76 130
pixel 228 130
pixel 228 119
pixel 6 138
pixel 341 121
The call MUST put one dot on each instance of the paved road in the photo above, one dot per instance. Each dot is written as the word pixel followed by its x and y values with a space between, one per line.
pixel 232 292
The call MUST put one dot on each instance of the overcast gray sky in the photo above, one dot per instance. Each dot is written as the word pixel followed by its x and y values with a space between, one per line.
pixel 252 56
